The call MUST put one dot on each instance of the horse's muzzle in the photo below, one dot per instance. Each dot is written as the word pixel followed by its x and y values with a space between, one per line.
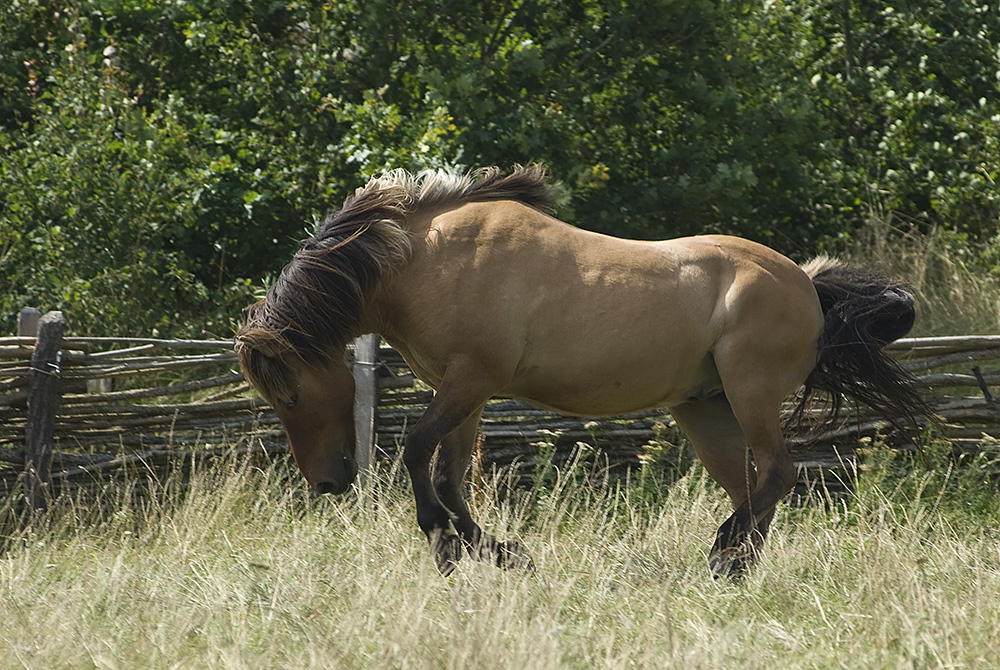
pixel 343 476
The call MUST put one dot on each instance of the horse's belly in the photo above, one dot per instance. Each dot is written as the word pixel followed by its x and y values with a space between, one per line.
pixel 620 389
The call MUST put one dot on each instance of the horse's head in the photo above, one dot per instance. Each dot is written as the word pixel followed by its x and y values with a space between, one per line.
pixel 314 401
pixel 292 343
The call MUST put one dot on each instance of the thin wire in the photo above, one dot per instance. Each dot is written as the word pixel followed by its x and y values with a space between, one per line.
pixel 56 368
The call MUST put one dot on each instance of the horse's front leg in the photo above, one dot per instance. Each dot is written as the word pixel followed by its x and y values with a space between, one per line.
pixel 451 463
pixel 458 401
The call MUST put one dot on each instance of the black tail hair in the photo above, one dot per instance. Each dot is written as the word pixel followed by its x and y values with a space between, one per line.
pixel 863 311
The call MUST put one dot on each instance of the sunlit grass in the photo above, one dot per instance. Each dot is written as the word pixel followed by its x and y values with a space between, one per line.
pixel 957 293
pixel 245 568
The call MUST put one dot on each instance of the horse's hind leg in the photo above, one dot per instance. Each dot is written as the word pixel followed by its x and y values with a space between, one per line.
pixel 721 446
pixel 757 373
pixel 451 462
pixel 740 537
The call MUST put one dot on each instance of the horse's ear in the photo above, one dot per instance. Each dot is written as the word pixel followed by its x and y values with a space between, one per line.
pixel 254 338
pixel 249 311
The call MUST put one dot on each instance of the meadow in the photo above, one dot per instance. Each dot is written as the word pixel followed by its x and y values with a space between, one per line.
pixel 235 564
pixel 239 566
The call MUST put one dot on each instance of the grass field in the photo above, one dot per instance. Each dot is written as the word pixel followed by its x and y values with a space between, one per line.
pixel 244 568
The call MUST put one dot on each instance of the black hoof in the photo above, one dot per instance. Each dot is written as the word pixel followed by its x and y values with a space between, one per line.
pixel 447 549
pixel 735 550
pixel 512 555
pixel 733 563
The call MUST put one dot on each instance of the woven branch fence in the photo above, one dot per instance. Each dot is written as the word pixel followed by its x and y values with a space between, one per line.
pixel 121 402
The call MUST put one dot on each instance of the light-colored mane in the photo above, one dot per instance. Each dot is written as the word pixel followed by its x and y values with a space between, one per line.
pixel 822 263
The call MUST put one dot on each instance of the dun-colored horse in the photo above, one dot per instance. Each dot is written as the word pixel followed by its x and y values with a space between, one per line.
pixel 485 295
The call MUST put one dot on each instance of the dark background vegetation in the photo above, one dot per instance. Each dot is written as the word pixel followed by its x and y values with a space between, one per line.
pixel 159 160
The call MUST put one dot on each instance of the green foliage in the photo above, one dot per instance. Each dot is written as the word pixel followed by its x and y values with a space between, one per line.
pixel 908 114
pixel 158 158
pixel 90 201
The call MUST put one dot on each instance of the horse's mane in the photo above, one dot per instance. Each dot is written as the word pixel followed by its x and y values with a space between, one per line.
pixel 315 305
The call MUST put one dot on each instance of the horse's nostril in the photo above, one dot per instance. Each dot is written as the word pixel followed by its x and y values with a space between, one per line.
pixel 327 487
pixel 340 479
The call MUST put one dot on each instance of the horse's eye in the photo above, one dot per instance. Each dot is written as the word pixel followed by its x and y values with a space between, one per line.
pixel 292 402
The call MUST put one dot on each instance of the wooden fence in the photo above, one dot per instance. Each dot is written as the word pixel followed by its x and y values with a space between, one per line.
pixel 73 408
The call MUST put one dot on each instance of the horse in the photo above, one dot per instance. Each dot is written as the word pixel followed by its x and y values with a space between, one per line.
pixel 485 294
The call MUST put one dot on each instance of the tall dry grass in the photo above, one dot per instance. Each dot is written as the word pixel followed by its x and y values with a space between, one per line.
pixel 244 568
pixel 957 292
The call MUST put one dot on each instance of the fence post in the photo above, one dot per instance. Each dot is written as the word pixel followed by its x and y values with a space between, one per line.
pixel 43 401
pixel 365 401
pixel 27 322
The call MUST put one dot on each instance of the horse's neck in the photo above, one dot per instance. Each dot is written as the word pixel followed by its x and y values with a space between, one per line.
pixel 371 320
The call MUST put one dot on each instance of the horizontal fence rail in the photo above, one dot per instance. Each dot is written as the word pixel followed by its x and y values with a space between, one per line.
pixel 127 400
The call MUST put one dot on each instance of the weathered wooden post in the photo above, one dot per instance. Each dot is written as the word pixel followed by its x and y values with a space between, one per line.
pixel 27 322
pixel 365 401
pixel 43 401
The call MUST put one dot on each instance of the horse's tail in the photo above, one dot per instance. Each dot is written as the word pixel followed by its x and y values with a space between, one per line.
pixel 863 311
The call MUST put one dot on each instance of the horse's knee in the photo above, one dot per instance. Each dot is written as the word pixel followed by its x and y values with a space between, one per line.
pixel 417 453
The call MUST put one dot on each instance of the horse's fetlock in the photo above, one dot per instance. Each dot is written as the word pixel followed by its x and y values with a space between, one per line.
pixel 434 520
pixel 786 474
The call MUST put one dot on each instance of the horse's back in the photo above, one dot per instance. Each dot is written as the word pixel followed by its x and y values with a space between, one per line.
pixel 579 321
